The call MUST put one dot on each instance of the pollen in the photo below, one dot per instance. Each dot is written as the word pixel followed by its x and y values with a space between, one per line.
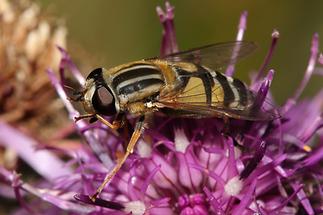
pixel 307 148
pixel 144 149
pixel 233 186
pixel 181 141
pixel 135 207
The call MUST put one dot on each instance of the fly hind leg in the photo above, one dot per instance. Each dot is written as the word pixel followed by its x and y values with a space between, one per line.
pixel 226 132
pixel 133 140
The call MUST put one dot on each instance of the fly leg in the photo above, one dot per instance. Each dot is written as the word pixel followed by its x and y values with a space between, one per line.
pixel 84 116
pixel 117 123
pixel 133 140
pixel 237 140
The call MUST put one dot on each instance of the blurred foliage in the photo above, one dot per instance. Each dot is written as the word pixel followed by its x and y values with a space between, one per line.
pixel 115 32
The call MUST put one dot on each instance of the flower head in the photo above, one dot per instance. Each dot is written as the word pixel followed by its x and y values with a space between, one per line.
pixel 27 48
pixel 187 166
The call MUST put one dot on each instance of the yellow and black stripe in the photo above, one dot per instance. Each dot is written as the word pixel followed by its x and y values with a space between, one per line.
pixel 213 88
pixel 137 82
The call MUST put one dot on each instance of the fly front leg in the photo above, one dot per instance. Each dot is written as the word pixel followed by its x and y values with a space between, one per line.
pixel 116 124
pixel 84 116
pixel 133 140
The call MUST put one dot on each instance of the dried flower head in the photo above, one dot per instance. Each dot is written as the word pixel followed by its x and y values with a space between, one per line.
pixel 186 166
pixel 27 48
pixel 28 42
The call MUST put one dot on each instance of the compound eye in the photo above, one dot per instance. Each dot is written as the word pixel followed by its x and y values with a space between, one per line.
pixel 103 101
pixel 95 74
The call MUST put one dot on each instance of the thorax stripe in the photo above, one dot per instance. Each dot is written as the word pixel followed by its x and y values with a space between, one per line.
pixel 136 73
pixel 140 85
pixel 138 79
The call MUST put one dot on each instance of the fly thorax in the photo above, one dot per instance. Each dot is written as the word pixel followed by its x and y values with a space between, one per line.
pixel 137 82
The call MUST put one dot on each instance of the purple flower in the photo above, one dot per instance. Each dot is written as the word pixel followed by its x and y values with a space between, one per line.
pixel 185 166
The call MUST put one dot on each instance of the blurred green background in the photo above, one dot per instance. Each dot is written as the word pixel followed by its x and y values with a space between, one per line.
pixel 115 32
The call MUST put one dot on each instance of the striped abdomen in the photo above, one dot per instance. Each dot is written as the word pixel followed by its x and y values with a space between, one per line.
pixel 235 92
pixel 214 89
pixel 137 82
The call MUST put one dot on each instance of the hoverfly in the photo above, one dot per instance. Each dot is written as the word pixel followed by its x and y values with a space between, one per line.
pixel 187 84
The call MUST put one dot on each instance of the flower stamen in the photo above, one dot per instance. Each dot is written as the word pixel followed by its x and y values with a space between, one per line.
pixel 274 40
pixel 308 73
pixel 241 29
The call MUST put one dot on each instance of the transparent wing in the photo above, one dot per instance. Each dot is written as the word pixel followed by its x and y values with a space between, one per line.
pixel 201 110
pixel 192 103
pixel 215 56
